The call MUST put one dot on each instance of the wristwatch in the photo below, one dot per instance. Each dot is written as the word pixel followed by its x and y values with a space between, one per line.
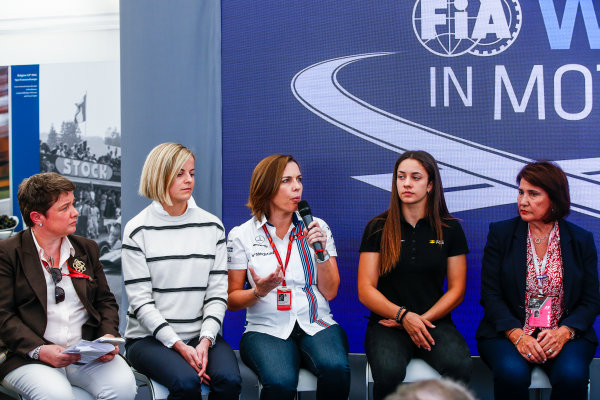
pixel 325 258
pixel 36 353
pixel 210 339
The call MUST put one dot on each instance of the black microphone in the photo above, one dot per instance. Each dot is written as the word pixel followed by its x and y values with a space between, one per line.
pixel 306 215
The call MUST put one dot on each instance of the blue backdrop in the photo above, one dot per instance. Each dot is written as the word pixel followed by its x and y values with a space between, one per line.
pixel 347 86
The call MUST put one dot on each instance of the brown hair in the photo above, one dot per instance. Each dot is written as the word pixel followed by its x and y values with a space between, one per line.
pixel 553 180
pixel 437 211
pixel 265 182
pixel 39 192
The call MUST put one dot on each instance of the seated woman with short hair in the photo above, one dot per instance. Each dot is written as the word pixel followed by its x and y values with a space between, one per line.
pixel 175 272
pixel 54 293
pixel 539 292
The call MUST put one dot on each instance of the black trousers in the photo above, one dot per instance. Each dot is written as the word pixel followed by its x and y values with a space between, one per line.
pixel 389 351
pixel 169 368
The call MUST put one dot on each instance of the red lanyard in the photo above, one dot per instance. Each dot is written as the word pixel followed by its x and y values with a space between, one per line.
pixel 73 273
pixel 289 250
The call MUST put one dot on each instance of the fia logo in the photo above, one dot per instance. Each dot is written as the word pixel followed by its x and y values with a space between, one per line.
pixel 451 28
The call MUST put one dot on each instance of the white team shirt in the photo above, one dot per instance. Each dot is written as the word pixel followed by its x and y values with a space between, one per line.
pixel 247 244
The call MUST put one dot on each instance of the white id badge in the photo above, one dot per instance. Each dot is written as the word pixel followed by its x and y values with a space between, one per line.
pixel 284 298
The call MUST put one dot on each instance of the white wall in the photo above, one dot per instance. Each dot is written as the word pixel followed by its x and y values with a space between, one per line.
pixel 57 31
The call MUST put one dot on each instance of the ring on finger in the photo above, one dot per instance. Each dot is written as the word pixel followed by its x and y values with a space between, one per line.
pixel 550 351
pixel 529 355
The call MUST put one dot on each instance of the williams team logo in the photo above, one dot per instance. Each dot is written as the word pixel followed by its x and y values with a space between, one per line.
pixel 451 28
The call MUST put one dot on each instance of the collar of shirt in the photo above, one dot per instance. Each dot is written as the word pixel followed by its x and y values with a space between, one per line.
pixel 159 208
pixel 420 222
pixel 258 224
pixel 66 250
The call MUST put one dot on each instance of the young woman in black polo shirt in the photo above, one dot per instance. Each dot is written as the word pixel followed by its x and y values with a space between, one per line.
pixel 406 254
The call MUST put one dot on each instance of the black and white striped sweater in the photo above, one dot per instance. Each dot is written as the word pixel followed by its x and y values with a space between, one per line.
pixel 175 272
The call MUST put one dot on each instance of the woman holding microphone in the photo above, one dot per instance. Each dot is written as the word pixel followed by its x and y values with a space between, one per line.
pixel 289 323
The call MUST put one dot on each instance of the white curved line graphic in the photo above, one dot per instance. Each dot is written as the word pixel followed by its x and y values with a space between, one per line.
pixel 469 164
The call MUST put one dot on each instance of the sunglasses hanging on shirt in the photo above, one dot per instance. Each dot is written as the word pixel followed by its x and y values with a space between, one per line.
pixel 59 293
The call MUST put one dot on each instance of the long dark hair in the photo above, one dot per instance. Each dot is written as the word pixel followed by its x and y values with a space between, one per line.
pixel 437 211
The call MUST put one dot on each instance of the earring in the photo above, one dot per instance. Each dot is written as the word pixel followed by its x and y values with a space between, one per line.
pixel 40 224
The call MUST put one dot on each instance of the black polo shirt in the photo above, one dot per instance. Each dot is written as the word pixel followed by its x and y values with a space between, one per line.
pixel 417 279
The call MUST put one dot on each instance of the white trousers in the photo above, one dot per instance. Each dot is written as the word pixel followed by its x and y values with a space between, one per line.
pixel 112 380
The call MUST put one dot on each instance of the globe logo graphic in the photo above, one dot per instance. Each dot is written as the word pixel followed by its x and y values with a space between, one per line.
pixel 452 28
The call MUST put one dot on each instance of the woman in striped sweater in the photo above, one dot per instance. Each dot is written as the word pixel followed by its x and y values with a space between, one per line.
pixel 175 271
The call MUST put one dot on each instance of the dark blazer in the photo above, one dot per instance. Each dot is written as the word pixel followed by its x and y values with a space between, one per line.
pixel 504 272
pixel 23 307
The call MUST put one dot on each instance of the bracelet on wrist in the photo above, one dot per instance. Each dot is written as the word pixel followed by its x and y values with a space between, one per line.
pixel 571 332
pixel 403 315
pixel 255 293
pixel 510 332
pixel 398 313
pixel 519 339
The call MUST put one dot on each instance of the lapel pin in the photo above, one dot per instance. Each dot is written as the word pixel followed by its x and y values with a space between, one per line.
pixel 79 265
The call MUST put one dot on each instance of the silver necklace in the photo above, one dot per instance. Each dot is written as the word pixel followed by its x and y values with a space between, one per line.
pixel 538 240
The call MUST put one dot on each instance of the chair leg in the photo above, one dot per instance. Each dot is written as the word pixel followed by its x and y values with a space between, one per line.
pixel 538 394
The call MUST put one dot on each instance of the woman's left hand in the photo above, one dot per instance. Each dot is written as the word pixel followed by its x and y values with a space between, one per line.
pixel 417 328
pixel 110 356
pixel 202 350
pixel 314 233
pixel 553 340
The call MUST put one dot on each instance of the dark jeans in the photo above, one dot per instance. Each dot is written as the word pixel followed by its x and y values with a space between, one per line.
pixel 277 362
pixel 169 368
pixel 568 372
pixel 389 351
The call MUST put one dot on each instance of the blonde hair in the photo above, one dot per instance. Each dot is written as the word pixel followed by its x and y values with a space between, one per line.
pixel 432 389
pixel 265 182
pixel 161 167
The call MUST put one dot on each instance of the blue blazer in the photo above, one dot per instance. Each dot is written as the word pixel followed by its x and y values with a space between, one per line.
pixel 504 272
